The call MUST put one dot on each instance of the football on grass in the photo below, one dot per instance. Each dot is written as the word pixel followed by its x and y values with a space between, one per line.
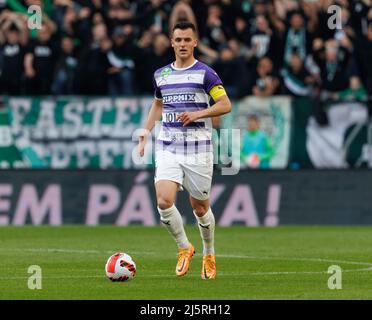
pixel 120 267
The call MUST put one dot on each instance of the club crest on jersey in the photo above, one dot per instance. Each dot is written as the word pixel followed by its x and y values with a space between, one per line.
pixel 166 72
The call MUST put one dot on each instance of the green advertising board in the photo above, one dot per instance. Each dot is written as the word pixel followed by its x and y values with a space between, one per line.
pixel 10 156
pixel 78 132
pixel 101 133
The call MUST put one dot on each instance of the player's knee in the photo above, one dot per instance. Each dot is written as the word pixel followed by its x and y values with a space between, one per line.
pixel 164 203
pixel 200 209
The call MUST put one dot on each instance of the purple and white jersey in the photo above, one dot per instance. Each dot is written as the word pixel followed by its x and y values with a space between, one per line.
pixel 182 90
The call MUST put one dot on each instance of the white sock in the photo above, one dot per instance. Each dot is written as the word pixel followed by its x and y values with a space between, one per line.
pixel 206 225
pixel 172 220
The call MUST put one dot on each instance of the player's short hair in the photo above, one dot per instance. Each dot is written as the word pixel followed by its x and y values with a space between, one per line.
pixel 183 25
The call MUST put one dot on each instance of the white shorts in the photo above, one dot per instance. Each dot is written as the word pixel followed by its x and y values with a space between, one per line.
pixel 193 171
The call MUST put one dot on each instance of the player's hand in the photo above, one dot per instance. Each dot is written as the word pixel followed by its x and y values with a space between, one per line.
pixel 188 117
pixel 142 139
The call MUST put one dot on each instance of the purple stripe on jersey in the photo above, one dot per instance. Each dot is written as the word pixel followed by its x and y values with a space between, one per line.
pixel 186 106
pixel 167 109
pixel 184 143
pixel 184 129
pixel 180 124
pixel 181 85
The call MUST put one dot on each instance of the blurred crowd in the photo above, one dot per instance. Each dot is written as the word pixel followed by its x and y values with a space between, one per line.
pixel 258 47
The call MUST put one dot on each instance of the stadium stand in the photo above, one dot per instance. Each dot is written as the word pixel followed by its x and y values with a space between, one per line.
pixel 116 44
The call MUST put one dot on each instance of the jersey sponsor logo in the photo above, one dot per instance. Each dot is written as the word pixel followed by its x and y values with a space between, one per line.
pixel 183 97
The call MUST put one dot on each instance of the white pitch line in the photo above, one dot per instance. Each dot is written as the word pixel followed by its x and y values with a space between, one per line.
pixel 83 251
pixel 228 256
pixel 293 258
pixel 302 259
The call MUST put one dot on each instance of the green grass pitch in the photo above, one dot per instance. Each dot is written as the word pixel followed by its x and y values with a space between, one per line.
pixel 252 263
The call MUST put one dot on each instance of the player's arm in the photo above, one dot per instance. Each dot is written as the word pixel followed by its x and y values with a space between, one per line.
pixel 222 105
pixel 154 115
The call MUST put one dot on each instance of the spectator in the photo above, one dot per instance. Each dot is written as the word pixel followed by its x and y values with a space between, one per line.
pixel 256 150
pixel 46 7
pixel 365 60
pixel 215 35
pixel 76 22
pixel 259 7
pixel 297 81
pixel 93 64
pixel 182 11
pixel 356 91
pixel 151 58
pixel 242 30
pixel 359 16
pixel 121 62
pixel 346 27
pixel 229 31
pixel 262 42
pixel 65 73
pixel 153 15
pixel 13 35
pixel 232 70
pixel 333 60
pixel 39 62
pixel 119 13
pixel 297 38
pixel 264 83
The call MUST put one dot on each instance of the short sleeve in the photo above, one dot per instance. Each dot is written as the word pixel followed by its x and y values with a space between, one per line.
pixel 157 92
pixel 211 80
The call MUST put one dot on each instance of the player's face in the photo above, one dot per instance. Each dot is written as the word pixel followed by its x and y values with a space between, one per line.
pixel 183 43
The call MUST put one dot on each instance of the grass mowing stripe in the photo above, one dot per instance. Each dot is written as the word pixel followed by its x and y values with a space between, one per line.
pixel 252 263
pixel 220 256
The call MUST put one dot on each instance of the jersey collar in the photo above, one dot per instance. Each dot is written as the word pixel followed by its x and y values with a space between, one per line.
pixel 180 69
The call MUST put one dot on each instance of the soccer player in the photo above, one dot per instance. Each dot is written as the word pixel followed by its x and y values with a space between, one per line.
pixel 184 155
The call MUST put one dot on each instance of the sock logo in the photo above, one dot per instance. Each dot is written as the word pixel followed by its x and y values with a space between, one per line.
pixel 205 226
pixel 167 222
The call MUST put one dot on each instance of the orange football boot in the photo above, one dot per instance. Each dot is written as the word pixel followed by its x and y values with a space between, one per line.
pixel 184 258
pixel 209 270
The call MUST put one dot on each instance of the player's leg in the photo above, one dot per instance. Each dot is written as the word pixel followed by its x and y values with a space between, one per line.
pixel 171 218
pixel 169 215
pixel 197 181
pixel 206 224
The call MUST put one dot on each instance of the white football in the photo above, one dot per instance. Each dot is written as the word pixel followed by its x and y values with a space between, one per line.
pixel 120 267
